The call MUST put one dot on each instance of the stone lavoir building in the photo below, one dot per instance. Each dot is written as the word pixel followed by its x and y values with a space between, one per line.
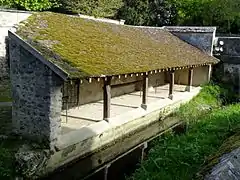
pixel 79 85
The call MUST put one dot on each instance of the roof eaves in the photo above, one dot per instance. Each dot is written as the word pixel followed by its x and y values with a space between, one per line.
pixel 38 55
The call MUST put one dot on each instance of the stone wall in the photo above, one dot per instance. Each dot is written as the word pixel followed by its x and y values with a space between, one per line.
pixel 231 76
pixel 8 21
pixel 227 49
pixel 37 97
pixel 200 37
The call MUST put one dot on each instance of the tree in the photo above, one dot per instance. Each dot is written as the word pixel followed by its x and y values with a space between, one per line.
pixel 221 13
pixel 148 12
pixel 31 5
pixel 135 12
pixel 163 12
pixel 98 8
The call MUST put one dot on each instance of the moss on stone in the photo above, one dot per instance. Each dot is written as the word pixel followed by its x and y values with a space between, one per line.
pixel 230 144
pixel 84 47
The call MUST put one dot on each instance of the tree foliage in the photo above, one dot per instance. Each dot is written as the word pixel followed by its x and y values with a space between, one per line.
pixel 221 13
pixel 32 5
pixel 225 14
pixel 99 8
pixel 148 12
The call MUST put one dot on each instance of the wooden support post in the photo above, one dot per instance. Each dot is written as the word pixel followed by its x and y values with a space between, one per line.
pixel 78 93
pixel 67 103
pixel 106 171
pixel 145 91
pixel 209 72
pixel 171 85
pixel 107 98
pixel 190 79
pixel 144 147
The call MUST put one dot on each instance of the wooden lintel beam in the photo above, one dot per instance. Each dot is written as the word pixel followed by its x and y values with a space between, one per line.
pixel 107 98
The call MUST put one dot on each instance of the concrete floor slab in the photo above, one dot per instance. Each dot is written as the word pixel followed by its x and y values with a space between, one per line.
pixel 92 113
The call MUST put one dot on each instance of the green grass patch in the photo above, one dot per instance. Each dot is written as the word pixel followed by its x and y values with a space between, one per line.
pixel 8 147
pixel 181 157
pixel 5 119
pixel 5 92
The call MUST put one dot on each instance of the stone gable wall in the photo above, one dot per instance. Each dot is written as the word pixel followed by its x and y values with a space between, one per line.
pixel 37 97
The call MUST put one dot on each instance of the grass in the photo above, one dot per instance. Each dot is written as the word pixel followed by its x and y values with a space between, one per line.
pixel 5 120
pixel 96 48
pixel 8 147
pixel 181 157
pixel 5 92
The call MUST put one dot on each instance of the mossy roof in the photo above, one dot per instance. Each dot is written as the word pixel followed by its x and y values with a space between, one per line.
pixel 89 48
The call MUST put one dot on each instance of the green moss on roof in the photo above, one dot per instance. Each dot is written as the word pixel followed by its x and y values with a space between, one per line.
pixel 84 47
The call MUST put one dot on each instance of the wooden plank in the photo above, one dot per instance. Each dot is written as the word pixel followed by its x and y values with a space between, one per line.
pixel 107 98
pixel 171 84
pixel 190 79
pixel 145 90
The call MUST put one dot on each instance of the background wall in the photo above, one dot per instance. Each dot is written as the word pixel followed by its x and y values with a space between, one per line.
pixel 8 21
pixel 200 76
pixel 92 92
pixel 200 37
pixel 227 49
